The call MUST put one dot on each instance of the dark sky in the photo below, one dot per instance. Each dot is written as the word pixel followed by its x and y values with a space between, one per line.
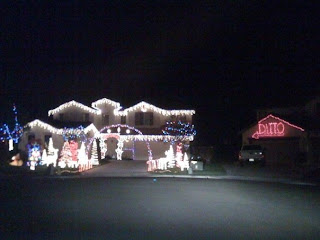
pixel 222 58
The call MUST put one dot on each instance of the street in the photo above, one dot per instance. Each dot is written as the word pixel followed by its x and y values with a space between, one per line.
pixel 163 208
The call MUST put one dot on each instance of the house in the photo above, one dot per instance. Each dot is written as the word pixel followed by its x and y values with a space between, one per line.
pixel 290 136
pixel 130 133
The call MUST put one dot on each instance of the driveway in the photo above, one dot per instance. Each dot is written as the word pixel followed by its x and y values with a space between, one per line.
pixel 122 168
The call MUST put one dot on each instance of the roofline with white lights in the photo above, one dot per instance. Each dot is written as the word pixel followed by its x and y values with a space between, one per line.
pixel 143 106
pixel 76 104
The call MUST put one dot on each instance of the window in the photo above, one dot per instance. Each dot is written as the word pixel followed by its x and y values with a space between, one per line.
pixel 144 118
pixel 105 119
pixel 86 117
pixel 123 119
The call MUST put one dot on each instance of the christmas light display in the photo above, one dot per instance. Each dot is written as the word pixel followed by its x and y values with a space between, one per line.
pixel 45 126
pixel 186 164
pixel 65 155
pixel 74 134
pixel 94 153
pixel 179 155
pixel 75 104
pixel 74 151
pixel 105 101
pixel 144 106
pixel 180 130
pixel 34 153
pixel 274 128
pixel 83 161
pixel 119 150
pixel 16 133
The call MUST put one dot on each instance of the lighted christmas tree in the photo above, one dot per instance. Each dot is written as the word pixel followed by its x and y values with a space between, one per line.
pixel 94 153
pixel 170 157
pixel 65 155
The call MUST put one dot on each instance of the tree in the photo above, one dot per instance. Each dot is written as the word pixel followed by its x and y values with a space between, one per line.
pixel 170 157
pixel 94 153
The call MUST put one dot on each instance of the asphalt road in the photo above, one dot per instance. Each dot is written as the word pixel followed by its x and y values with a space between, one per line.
pixel 146 208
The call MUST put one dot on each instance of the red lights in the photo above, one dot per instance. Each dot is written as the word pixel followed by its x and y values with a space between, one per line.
pixel 274 128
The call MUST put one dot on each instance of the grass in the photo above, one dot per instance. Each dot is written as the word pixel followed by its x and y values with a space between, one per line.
pixel 212 169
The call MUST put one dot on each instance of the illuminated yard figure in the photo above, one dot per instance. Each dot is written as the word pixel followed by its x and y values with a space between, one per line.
pixel 119 150
pixel 170 157
pixel 185 164
pixel 179 155
pixel 51 156
pixel 34 156
pixel 73 163
pixel 65 155
pixel 103 147
pixel 84 162
pixel 94 153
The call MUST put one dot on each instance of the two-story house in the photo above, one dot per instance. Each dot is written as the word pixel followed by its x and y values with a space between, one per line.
pixel 130 133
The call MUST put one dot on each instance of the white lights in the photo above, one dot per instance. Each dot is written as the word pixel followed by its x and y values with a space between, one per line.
pixel 105 101
pixel 45 126
pixel 144 107
pixel 75 104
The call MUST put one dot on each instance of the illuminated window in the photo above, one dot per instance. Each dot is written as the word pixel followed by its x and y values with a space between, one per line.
pixel 144 118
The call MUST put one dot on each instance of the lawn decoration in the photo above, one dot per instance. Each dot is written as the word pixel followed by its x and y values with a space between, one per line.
pixel 50 156
pixel 65 155
pixel 73 163
pixel 94 153
pixel 34 155
pixel 84 162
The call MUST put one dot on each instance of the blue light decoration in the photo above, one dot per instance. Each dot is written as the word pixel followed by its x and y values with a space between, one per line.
pixel 74 134
pixel 179 129
pixel 16 133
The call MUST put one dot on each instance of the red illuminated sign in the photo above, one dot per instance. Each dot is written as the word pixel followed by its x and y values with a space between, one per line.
pixel 275 128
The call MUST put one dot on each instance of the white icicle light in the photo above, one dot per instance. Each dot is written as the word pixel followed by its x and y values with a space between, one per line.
pixel 144 106
pixel 45 126
pixel 105 101
pixel 76 104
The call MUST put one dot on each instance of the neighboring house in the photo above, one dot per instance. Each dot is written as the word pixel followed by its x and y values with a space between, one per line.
pixel 131 133
pixel 290 136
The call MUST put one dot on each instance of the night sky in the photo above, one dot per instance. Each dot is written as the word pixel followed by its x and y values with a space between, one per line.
pixel 224 59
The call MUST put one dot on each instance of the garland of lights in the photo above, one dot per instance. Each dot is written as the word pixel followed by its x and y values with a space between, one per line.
pixel 74 133
pixel 180 130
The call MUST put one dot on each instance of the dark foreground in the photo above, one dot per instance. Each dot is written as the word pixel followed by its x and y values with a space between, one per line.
pixel 141 208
